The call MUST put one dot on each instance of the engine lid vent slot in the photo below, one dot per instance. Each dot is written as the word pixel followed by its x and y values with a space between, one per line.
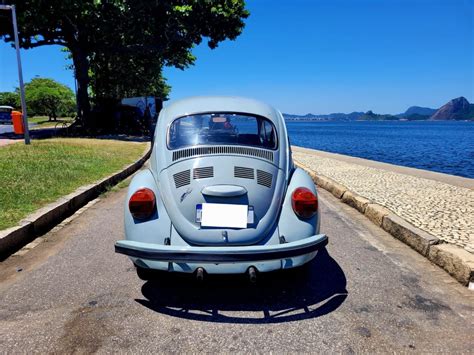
pixel 203 173
pixel 182 178
pixel 254 152
pixel 264 178
pixel 244 173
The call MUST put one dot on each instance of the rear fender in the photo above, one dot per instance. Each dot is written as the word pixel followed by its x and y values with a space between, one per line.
pixel 290 225
pixel 154 229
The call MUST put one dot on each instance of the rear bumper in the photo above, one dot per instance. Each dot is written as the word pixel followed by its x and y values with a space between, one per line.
pixel 233 254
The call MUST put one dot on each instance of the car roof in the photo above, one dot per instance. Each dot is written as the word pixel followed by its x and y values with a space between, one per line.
pixel 4 106
pixel 201 104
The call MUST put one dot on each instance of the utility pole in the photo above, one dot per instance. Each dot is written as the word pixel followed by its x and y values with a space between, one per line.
pixel 20 72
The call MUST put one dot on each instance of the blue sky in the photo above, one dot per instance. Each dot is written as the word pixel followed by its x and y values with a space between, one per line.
pixel 321 56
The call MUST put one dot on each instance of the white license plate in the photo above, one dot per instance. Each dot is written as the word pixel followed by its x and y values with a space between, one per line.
pixel 223 215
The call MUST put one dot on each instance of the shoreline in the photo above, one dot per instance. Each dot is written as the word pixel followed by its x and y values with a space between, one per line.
pixel 454 180
pixel 440 147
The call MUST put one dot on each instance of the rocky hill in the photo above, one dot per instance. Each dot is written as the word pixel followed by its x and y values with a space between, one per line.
pixel 456 109
pixel 417 111
pixel 371 116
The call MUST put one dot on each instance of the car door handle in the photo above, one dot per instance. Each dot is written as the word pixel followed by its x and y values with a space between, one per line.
pixel 224 190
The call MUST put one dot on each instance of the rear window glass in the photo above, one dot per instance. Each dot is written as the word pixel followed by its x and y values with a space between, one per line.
pixel 222 128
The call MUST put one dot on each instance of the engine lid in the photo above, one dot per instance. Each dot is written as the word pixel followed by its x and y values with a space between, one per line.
pixel 226 180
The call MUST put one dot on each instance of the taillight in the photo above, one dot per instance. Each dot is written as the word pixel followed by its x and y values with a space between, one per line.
pixel 304 202
pixel 142 203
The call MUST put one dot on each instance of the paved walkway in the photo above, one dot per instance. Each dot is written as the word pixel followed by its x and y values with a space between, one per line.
pixel 6 141
pixel 5 135
pixel 444 210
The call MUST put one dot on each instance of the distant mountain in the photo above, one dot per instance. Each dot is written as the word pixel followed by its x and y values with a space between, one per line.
pixel 417 110
pixel 456 109
pixel 370 116
pixel 353 116
pixel 414 117
pixel 308 116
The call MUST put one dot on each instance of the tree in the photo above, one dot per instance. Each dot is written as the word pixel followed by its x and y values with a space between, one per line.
pixel 10 99
pixel 133 75
pixel 48 97
pixel 100 33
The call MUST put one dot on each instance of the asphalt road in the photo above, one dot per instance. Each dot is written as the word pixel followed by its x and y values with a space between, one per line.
pixel 367 293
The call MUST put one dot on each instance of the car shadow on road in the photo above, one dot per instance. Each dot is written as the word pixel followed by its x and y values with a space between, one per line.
pixel 278 297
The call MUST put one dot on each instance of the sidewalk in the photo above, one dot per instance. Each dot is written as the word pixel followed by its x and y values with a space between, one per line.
pixel 439 204
pixel 6 141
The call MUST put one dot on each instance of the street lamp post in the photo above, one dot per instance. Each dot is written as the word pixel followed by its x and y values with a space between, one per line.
pixel 20 72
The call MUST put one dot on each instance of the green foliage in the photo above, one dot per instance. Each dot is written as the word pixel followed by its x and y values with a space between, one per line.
pixel 48 97
pixel 10 99
pixel 145 36
pixel 133 75
pixel 122 45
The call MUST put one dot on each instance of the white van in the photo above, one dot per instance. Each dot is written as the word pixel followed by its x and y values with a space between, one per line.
pixel 6 114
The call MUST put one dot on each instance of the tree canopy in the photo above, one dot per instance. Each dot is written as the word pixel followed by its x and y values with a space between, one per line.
pixel 10 99
pixel 43 97
pixel 120 46
pixel 131 76
pixel 50 98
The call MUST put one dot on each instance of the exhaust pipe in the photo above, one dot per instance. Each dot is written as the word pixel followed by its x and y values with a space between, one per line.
pixel 252 272
pixel 200 274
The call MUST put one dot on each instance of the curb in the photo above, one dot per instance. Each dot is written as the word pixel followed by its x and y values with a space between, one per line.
pixel 42 220
pixel 454 260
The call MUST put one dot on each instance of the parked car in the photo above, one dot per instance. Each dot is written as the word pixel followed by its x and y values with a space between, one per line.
pixel 221 195
pixel 6 114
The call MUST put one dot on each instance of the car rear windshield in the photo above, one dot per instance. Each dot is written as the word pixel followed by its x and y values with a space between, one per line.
pixel 222 128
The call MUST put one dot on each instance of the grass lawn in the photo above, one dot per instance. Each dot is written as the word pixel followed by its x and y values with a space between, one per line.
pixel 43 121
pixel 33 176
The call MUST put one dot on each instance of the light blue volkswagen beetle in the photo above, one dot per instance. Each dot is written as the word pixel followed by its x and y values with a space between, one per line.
pixel 221 195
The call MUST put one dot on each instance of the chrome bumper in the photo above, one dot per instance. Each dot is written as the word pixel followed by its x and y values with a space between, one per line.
pixel 229 254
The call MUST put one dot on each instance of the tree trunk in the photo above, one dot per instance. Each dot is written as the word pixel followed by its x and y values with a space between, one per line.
pixel 81 67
